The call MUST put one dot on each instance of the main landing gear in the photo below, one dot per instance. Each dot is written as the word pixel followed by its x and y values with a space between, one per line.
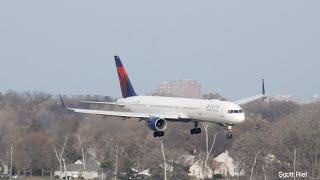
pixel 158 134
pixel 195 130
pixel 229 133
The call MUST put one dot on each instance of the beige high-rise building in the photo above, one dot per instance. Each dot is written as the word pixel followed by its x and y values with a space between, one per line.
pixel 180 88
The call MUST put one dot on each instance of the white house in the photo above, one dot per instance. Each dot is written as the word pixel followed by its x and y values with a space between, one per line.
pixel 4 170
pixel 225 165
pixel 220 168
pixel 89 170
pixel 185 160
pixel 196 170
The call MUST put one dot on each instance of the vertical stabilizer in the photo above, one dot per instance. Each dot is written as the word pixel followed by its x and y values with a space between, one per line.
pixel 125 84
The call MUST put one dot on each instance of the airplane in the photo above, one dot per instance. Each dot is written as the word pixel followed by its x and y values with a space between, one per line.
pixel 157 110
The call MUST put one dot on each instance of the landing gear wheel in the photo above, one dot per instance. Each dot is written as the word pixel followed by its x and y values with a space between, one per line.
pixel 195 130
pixel 198 130
pixel 158 134
pixel 229 136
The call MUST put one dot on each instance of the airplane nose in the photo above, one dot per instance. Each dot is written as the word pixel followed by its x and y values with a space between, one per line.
pixel 241 117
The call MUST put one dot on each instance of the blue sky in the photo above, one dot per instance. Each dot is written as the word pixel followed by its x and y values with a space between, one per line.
pixel 68 46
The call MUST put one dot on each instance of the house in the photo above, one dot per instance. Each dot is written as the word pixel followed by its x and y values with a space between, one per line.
pixel 136 174
pixel 196 171
pixel 185 160
pixel 88 170
pixel 4 170
pixel 220 168
pixel 224 164
pixel 195 166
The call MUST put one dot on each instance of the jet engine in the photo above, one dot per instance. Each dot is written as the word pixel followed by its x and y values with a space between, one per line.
pixel 156 124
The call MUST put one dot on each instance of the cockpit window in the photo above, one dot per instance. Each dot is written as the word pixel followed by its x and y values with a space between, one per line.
pixel 235 111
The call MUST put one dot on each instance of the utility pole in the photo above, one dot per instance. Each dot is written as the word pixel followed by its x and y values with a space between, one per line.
pixel 11 161
pixel 294 163
pixel 164 162
pixel 116 168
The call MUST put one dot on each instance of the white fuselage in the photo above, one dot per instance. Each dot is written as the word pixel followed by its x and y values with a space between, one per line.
pixel 195 109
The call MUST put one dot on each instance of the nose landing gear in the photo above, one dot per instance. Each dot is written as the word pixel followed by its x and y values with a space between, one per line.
pixel 195 130
pixel 229 133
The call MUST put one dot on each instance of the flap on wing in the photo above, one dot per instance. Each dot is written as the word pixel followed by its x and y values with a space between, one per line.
pixel 128 114
pixel 110 113
pixel 105 103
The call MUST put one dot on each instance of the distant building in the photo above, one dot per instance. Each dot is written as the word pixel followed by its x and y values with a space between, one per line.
pixel 4 170
pixel 224 164
pixel 196 171
pixel 185 160
pixel 76 170
pixel 195 167
pixel 136 174
pixel 180 88
pixel 220 168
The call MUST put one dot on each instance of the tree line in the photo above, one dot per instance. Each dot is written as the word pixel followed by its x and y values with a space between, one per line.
pixel 283 134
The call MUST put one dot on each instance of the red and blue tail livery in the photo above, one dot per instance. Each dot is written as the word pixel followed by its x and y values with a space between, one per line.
pixel 125 84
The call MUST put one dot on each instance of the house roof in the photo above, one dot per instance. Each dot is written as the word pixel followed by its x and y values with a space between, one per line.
pixel 185 160
pixel 91 165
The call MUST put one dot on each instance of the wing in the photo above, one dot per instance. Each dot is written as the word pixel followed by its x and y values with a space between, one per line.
pixel 250 99
pixel 253 98
pixel 126 114
pixel 105 103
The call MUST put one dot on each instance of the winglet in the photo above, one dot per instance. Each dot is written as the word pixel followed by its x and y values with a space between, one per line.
pixel 263 89
pixel 62 101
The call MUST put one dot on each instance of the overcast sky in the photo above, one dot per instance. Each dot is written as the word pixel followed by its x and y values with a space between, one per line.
pixel 68 46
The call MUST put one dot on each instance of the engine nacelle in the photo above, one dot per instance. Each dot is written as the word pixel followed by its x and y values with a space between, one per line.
pixel 156 124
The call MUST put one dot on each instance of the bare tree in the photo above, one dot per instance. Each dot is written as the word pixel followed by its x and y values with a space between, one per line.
pixel 208 151
pixel 254 163
pixel 264 173
pixel 60 155
pixel 82 152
